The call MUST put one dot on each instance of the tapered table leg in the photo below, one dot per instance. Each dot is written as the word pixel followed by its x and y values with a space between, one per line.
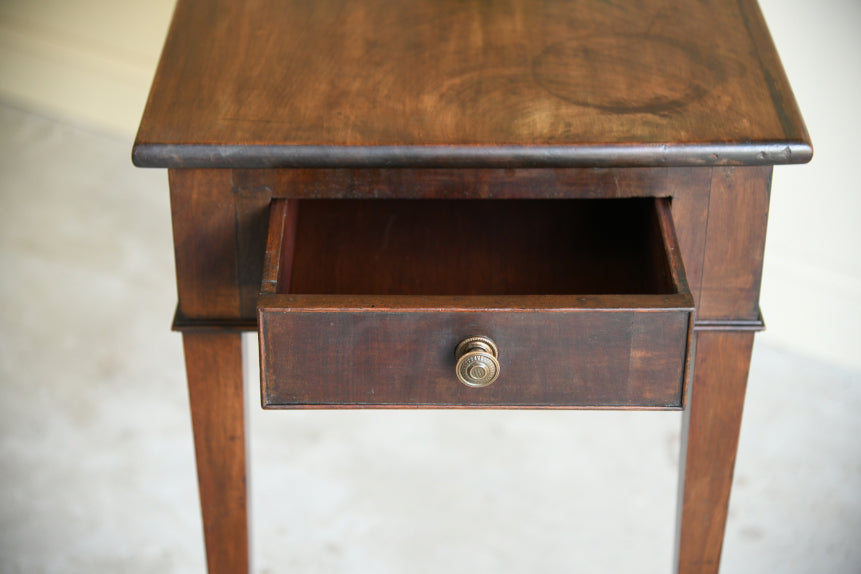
pixel 709 440
pixel 213 363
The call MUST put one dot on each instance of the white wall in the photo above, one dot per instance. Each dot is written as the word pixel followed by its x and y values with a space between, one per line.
pixel 811 292
pixel 92 61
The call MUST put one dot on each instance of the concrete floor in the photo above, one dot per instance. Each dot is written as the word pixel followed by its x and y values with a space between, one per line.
pixel 97 466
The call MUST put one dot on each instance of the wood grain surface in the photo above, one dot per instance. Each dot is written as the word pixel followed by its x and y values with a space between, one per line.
pixel 432 247
pixel 433 83
pixel 709 441
pixel 213 363
pixel 205 241
pixel 576 358
pixel 640 94
pixel 587 298
pixel 735 244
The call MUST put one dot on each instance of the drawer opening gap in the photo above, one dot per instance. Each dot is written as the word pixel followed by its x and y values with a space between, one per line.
pixel 475 247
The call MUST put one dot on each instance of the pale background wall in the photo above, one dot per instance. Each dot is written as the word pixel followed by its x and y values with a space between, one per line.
pixel 811 292
pixel 91 61
pixel 86 60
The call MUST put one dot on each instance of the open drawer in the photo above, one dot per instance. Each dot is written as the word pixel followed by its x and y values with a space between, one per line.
pixel 364 303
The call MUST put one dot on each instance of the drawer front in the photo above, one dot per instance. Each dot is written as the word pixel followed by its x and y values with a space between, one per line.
pixel 363 304
pixel 576 358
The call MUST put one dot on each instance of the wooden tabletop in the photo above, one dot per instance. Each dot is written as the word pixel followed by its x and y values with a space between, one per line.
pixel 469 83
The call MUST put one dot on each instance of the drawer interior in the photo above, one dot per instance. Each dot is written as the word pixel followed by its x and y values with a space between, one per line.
pixel 364 302
pixel 471 247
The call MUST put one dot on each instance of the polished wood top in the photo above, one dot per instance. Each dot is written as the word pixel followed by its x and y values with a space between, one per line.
pixel 454 83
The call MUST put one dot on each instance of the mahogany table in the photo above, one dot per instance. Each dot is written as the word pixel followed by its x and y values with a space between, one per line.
pixel 449 204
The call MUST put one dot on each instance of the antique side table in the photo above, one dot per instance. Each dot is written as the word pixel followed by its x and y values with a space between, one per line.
pixel 449 204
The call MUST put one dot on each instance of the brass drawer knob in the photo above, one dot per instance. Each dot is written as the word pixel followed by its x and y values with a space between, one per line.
pixel 477 361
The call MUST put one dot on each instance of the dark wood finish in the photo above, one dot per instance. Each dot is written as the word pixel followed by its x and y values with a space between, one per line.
pixel 710 438
pixel 354 100
pixel 387 358
pixel 688 187
pixel 182 324
pixel 276 245
pixel 443 83
pixel 465 183
pixel 731 325
pixel 206 200
pixel 219 239
pixel 665 254
pixel 213 363
pixel 280 246
pixel 251 207
pixel 409 247
pixel 690 190
pixel 587 301
pixel 204 237
pixel 732 264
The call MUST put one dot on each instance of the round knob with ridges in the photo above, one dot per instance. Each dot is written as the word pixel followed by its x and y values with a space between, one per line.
pixel 477 361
